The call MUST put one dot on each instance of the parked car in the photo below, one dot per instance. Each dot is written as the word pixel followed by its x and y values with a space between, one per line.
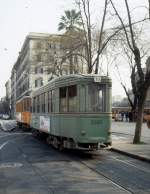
pixel 5 116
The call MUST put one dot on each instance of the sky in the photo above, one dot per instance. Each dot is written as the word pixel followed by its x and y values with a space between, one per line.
pixel 20 17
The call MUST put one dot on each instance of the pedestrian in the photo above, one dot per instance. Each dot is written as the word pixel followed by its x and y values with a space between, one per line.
pixel 122 115
pixel 130 116
pixel 127 116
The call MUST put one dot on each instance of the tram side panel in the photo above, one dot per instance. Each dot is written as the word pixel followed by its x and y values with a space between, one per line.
pixel 23 114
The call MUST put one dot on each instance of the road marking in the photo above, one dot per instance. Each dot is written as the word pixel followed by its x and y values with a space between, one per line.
pixel 5 143
pixel 10 165
pixel 5 135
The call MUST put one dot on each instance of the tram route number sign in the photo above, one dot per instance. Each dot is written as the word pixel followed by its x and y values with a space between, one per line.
pixel 97 79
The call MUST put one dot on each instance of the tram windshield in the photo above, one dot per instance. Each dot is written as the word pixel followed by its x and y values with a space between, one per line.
pixel 96 98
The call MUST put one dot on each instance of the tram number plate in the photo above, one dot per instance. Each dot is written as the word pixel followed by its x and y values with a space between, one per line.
pixel 96 122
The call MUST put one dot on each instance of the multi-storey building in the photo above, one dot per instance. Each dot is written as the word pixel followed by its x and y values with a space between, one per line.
pixel 8 89
pixel 13 91
pixel 8 93
pixel 41 58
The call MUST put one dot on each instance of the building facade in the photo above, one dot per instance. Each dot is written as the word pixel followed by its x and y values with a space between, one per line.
pixel 40 59
pixel 13 91
pixel 8 93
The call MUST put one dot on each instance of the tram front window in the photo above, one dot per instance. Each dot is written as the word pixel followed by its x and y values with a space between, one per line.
pixel 96 98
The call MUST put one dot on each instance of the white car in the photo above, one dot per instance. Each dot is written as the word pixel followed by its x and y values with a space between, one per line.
pixel 5 116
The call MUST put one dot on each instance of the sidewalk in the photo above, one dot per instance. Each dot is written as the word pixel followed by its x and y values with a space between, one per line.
pixel 7 125
pixel 122 138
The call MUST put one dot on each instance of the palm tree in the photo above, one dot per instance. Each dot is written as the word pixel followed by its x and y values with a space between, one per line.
pixel 70 21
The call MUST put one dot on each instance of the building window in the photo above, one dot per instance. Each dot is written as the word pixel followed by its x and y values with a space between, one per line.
pixel 51 59
pixel 41 70
pixel 41 82
pixel 48 70
pixel 76 59
pixel 38 82
pixel 38 45
pixel 38 70
pixel 49 101
pixel 39 58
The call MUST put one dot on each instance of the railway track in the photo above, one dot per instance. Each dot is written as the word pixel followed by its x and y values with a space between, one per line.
pixel 131 175
pixel 106 177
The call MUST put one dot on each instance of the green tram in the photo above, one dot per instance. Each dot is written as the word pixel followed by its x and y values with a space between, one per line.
pixel 74 111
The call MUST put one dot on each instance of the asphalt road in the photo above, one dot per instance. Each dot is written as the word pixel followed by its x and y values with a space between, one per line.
pixel 30 166
pixel 27 165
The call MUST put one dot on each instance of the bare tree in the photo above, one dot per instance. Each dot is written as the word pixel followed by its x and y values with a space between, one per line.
pixel 149 8
pixel 140 78
pixel 92 53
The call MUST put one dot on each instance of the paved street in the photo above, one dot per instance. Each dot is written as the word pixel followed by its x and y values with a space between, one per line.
pixel 28 165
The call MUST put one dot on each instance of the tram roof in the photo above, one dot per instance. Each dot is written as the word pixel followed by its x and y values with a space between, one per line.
pixel 72 79
pixel 22 98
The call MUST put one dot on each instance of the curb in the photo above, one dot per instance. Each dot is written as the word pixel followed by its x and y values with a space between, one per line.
pixel 131 155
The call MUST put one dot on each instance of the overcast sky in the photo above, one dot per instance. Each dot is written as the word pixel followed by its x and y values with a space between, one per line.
pixel 17 19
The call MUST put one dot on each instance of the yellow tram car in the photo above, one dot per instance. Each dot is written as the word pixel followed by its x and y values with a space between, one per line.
pixel 23 112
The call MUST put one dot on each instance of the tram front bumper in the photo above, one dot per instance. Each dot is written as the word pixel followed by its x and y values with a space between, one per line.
pixel 91 140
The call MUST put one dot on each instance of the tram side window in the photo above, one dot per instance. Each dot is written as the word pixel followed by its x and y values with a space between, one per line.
pixel 53 105
pixel 72 98
pixel 25 105
pixel 38 104
pixel 43 102
pixel 28 104
pixel 96 98
pixel 49 101
pixel 63 99
pixel 33 105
